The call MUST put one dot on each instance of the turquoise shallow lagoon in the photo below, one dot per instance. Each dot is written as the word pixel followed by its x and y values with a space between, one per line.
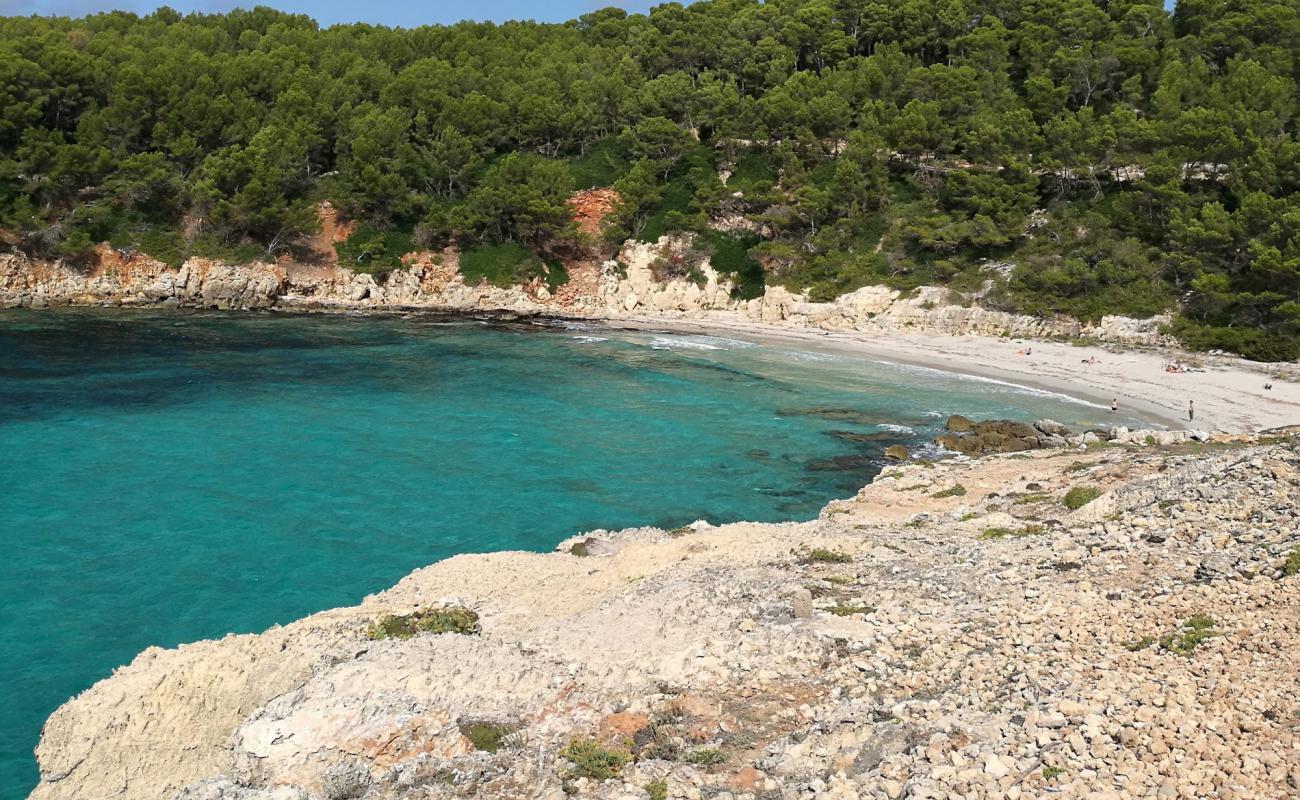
pixel 166 477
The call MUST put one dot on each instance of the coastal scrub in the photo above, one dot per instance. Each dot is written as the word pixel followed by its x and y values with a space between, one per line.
pixel 449 619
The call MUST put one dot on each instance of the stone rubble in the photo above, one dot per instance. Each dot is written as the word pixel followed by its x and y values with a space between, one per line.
pixel 910 643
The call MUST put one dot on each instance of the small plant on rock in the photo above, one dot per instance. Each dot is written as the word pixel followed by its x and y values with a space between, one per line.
pixel 848 611
pixel 1194 631
pixel 1080 496
pixel 657 790
pixel 956 491
pixel 486 736
pixel 1026 499
pixel 447 619
pixel 707 756
pixel 1292 565
pixel 1139 644
pixel 819 555
pixel 1002 533
pixel 590 760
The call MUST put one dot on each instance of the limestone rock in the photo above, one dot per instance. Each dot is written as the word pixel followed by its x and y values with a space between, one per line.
pixel 896 452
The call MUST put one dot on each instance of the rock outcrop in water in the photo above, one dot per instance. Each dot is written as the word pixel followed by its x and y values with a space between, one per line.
pixel 623 287
pixel 955 630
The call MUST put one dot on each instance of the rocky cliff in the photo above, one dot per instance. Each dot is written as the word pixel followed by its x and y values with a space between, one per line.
pixel 622 287
pixel 954 630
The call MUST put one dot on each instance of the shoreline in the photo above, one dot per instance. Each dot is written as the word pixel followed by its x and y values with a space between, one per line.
pixel 1228 390
pixel 1228 393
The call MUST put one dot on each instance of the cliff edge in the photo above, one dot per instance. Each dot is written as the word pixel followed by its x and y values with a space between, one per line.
pixel 955 629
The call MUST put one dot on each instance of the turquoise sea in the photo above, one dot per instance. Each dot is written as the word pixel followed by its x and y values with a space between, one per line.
pixel 166 477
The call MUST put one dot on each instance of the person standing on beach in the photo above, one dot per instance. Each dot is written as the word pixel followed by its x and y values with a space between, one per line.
pixel 1114 406
pixel 1191 410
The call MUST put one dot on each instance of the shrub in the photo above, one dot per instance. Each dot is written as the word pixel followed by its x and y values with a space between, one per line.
pixel 1080 496
pixel 506 265
pixel 848 611
pixel 372 250
pixel 956 491
pixel 1292 565
pixel 1140 644
pixel 486 736
pixel 820 555
pixel 1002 533
pixel 707 756
pixel 592 761
pixel 604 163
pixel 1194 631
pixel 657 790
pixel 449 619
pixel 1026 499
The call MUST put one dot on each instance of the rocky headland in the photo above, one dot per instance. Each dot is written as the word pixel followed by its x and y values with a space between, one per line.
pixel 1110 620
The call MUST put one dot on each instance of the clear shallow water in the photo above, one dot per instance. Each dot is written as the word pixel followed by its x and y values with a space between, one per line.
pixel 166 477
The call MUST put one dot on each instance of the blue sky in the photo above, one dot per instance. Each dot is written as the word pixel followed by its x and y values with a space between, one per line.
pixel 328 12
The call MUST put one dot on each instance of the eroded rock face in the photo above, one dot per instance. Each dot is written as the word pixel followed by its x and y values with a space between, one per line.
pixel 624 287
pixel 893 647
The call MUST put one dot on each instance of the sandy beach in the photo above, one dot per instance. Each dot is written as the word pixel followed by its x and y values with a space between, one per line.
pixel 1228 392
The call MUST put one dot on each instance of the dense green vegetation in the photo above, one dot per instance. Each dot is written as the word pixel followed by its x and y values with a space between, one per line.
pixel 1123 158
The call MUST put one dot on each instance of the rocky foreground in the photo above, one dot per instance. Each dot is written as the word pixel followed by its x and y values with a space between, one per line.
pixel 953 631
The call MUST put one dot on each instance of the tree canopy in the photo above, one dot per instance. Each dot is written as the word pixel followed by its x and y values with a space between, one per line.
pixel 1125 159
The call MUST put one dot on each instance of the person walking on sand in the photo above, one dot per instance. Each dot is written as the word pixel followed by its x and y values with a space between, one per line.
pixel 1191 410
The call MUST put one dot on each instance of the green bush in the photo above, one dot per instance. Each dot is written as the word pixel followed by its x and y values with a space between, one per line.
pixel 956 491
pixel 820 555
pixel 707 756
pixel 1194 631
pixel 447 619
pixel 1292 565
pixel 729 256
pixel 374 251
pixel 1080 496
pixel 506 265
pixel 604 163
pixel 657 790
pixel 590 760
pixel 486 736
pixel 1002 533
pixel 1259 344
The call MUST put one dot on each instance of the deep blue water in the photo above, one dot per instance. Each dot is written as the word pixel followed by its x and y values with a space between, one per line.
pixel 166 477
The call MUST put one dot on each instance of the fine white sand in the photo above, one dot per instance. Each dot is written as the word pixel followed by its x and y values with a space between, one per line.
pixel 1228 392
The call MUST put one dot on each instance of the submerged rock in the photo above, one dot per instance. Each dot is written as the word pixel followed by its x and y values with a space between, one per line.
pixel 863 438
pixel 841 463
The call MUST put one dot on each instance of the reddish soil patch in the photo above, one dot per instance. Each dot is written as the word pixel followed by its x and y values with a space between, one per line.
pixel 590 207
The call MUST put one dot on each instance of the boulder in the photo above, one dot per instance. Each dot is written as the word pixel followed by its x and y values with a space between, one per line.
pixel 1006 427
pixel 968 445
pixel 1052 428
pixel 959 424
pixel 896 452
